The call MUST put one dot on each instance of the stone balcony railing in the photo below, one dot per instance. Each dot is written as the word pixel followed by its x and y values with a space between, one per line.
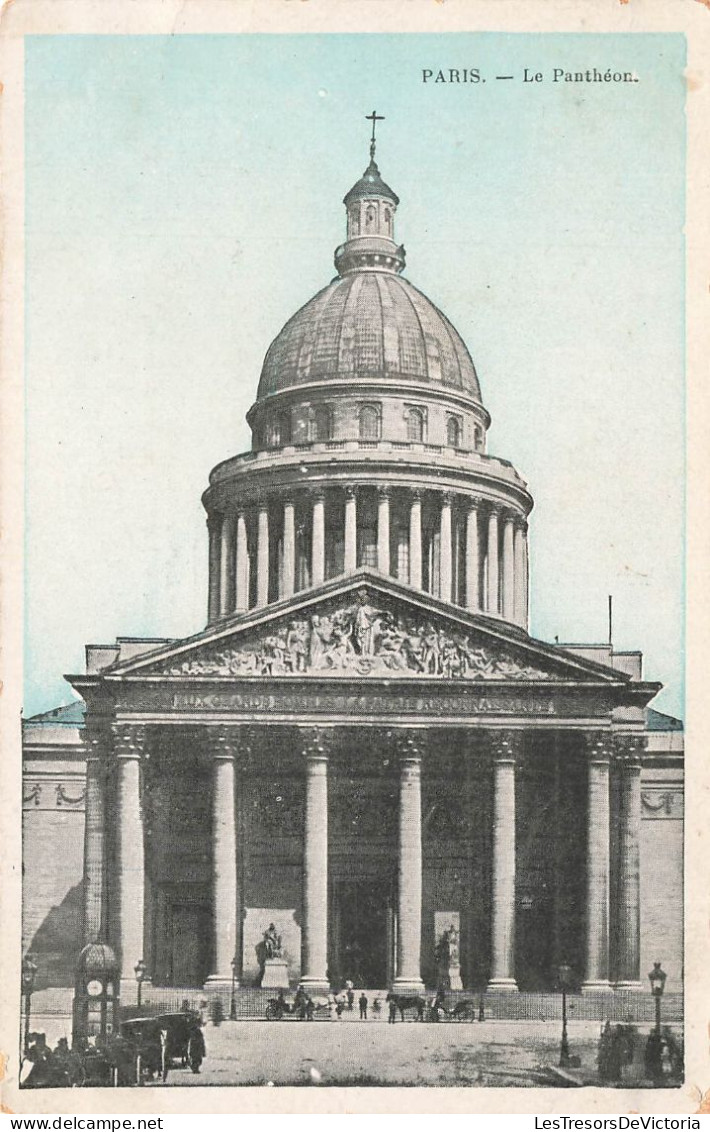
pixel 391 451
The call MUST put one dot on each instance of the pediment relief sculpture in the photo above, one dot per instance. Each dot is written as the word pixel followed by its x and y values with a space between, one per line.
pixel 360 639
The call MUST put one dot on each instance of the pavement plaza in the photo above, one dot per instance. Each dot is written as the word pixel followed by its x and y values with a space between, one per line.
pixel 488 1054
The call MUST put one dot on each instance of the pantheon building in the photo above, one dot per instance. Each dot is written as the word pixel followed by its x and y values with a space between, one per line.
pixel 364 744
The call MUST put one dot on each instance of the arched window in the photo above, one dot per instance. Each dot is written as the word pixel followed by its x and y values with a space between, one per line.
pixel 320 423
pixel 370 217
pixel 477 438
pixel 283 427
pixel 388 220
pixel 415 424
pixel 369 422
pixel 355 221
pixel 453 432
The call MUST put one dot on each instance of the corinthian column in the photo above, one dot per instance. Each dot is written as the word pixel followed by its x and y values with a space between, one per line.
pixel 242 600
pixel 597 905
pixel 415 541
pixel 128 746
pixel 262 556
pixel 505 751
pixel 473 600
pixel 227 592
pixel 628 905
pixel 493 599
pixel 289 550
pixel 350 552
pixel 445 569
pixel 314 931
pixel 509 568
pixel 224 859
pixel 521 578
pixel 383 530
pixel 214 531
pixel 318 540
pixel 409 894
pixel 93 925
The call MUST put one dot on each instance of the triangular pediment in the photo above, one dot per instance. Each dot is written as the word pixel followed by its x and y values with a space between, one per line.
pixel 366 626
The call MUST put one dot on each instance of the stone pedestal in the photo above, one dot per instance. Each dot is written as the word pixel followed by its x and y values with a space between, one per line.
pixel 275 974
pixel 450 977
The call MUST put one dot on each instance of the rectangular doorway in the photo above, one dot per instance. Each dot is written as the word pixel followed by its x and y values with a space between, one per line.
pixel 363 924
pixel 190 928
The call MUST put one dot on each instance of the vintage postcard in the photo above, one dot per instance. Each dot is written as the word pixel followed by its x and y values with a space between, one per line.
pixel 350 367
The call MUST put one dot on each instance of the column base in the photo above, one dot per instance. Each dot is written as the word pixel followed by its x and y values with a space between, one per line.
pixel 315 984
pixel 402 985
pixel 634 985
pixel 220 983
pixel 508 986
pixel 596 986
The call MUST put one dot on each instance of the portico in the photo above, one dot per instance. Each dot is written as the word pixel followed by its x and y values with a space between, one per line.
pixel 405 785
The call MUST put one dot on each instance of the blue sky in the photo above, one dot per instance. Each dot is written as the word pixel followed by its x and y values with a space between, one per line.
pixel 184 197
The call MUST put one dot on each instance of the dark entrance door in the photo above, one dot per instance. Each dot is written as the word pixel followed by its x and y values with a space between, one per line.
pixel 190 937
pixel 364 932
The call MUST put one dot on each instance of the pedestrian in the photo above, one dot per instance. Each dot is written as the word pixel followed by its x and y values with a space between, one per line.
pixel 393 1011
pixel 351 997
pixel 377 1008
pixel 362 1001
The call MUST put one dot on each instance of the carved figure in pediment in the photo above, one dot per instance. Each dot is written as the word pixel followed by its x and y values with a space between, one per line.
pixel 297 645
pixel 367 627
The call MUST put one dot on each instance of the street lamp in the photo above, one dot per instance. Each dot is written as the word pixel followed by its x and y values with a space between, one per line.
pixel 29 973
pixel 141 973
pixel 657 978
pixel 564 977
pixel 233 996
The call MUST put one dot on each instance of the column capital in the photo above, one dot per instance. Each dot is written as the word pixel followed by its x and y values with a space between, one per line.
pixel 351 491
pixel 384 491
pixel 599 746
pixel 128 740
pixel 416 494
pixel 410 746
pixel 222 742
pixel 473 503
pixel 629 748
pixel 314 744
pixel 317 494
pixel 447 498
pixel 506 745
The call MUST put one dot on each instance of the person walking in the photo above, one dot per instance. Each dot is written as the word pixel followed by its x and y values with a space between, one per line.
pixel 393 1011
pixel 362 1001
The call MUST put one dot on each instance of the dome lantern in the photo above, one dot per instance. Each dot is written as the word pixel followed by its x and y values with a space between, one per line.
pixel 370 205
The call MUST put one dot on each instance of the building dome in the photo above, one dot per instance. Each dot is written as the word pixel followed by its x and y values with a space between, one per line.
pixel 369 324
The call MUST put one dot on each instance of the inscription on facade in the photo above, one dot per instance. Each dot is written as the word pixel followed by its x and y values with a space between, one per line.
pixel 471 704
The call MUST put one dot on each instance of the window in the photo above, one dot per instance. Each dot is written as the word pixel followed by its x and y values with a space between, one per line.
pixel 453 432
pixel 320 423
pixel 415 424
pixel 284 428
pixel 355 221
pixel 477 438
pixel 370 218
pixel 369 422
pixel 388 220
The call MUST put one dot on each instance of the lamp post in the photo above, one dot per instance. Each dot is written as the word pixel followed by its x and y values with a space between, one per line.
pixel 141 971
pixel 233 996
pixel 564 976
pixel 29 973
pixel 657 978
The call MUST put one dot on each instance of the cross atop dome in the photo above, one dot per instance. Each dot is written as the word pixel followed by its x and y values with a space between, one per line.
pixel 374 118
pixel 371 205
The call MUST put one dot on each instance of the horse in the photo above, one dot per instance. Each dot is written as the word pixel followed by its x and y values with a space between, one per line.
pixel 408 1002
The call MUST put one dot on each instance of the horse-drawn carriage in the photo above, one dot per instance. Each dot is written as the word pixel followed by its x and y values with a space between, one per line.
pixel 301 1005
pixel 161 1041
